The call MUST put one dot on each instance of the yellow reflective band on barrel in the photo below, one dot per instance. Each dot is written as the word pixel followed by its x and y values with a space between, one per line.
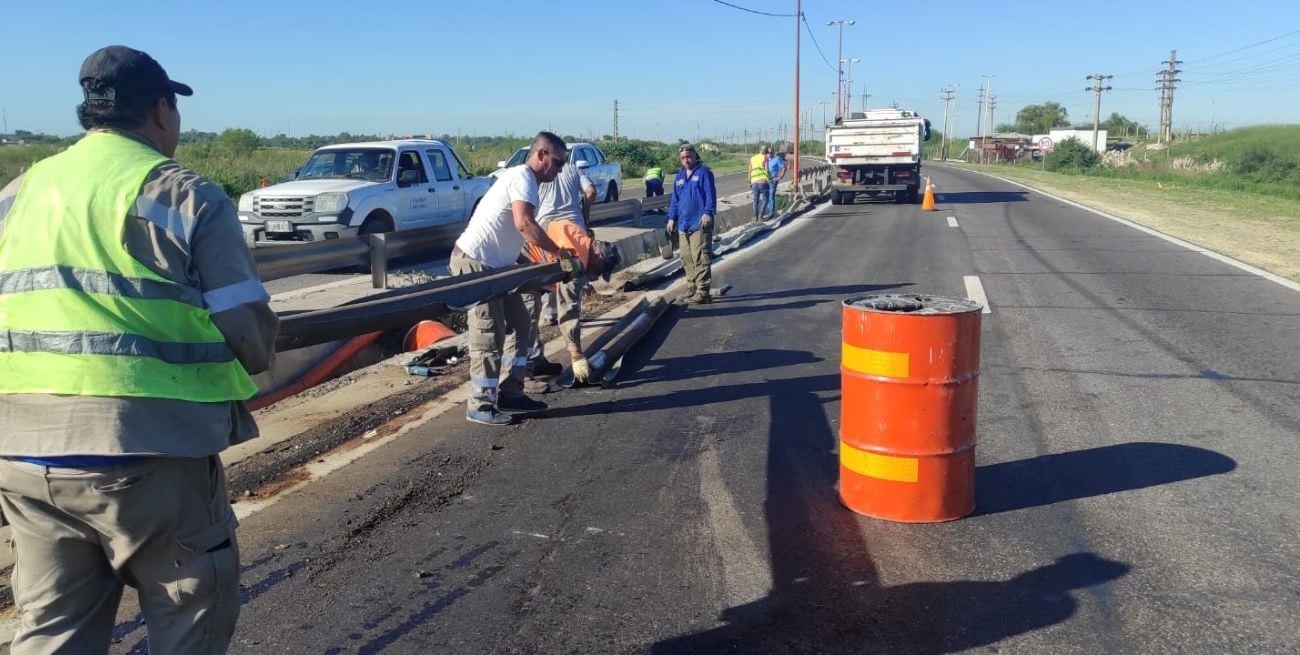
pixel 875 362
pixel 880 467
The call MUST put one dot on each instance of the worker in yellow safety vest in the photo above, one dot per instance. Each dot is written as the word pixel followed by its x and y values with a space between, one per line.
pixel 133 316
pixel 759 179
pixel 654 181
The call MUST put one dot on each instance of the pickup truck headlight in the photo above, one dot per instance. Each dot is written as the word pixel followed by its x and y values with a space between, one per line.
pixel 246 202
pixel 331 202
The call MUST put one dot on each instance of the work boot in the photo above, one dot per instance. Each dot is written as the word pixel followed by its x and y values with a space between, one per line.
pixel 488 416
pixel 701 298
pixel 540 367
pixel 520 404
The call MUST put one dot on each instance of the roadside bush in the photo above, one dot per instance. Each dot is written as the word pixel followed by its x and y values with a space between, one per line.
pixel 1072 155
pixel 1260 164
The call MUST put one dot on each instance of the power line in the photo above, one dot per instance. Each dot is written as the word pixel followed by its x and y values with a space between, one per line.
pixel 1245 47
pixel 754 11
pixel 804 18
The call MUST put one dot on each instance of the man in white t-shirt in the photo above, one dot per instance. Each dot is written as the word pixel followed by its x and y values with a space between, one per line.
pixel 503 223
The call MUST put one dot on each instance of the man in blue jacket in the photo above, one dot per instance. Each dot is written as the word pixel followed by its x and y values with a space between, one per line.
pixel 690 214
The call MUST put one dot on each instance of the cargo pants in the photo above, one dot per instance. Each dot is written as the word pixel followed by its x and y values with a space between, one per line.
pixel 693 248
pixel 569 300
pixel 500 335
pixel 163 525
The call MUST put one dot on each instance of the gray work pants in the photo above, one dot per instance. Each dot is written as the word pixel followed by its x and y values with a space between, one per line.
pixel 569 297
pixel 693 248
pixel 164 526
pixel 500 334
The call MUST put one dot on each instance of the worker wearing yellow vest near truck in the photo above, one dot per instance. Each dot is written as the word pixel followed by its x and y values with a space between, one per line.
pixel 759 179
pixel 133 317
pixel 654 181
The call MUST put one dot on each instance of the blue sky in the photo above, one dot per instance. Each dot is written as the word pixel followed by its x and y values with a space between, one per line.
pixel 679 68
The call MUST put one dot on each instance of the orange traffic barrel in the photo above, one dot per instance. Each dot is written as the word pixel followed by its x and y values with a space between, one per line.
pixel 909 368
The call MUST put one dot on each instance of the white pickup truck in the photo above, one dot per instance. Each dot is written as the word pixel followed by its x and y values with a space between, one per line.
pixel 877 151
pixel 606 175
pixel 352 189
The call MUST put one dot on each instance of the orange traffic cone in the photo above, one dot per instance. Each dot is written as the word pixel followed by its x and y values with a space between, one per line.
pixel 927 203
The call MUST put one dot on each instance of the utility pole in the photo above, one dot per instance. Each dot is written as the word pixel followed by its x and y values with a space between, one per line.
pixel 1098 80
pixel 615 120
pixel 865 95
pixel 1168 77
pixel 794 169
pixel 848 85
pixel 839 56
pixel 993 106
pixel 948 94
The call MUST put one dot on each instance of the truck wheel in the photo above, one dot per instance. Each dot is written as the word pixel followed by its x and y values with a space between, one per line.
pixel 837 198
pixel 611 194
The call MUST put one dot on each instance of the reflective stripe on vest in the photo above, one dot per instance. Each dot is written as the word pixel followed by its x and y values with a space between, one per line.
pixel 79 315
pixel 758 169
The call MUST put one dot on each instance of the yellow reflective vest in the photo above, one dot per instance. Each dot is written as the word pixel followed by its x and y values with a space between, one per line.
pixel 758 169
pixel 79 315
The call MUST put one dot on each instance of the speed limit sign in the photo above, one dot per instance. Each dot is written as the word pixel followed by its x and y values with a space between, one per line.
pixel 1045 144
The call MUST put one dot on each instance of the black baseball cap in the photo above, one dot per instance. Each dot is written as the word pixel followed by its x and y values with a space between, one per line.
pixel 118 71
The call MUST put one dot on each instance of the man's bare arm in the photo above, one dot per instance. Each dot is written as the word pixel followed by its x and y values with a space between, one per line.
pixel 526 222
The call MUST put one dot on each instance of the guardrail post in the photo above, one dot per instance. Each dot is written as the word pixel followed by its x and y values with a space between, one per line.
pixel 636 214
pixel 379 261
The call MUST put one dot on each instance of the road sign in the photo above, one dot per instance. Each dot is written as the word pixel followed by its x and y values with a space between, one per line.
pixel 1045 144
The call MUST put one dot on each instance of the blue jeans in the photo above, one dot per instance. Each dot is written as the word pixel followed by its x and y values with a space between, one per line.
pixel 760 198
pixel 771 199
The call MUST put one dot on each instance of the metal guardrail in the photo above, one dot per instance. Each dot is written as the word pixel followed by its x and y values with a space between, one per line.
pixel 376 250
pixel 406 307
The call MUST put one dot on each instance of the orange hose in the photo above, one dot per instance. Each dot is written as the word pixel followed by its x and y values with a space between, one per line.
pixel 318 373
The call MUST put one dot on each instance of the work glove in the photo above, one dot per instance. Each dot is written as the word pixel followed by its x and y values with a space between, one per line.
pixel 706 222
pixel 670 228
pixel 581 369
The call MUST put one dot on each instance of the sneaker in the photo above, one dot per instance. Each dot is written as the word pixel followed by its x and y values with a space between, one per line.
pixel 542 367
pixel 489 416
pixel 520 404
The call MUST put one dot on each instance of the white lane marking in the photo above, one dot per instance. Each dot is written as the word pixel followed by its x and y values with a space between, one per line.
pixel 952 221
pixel 975 291
pixel 1253 270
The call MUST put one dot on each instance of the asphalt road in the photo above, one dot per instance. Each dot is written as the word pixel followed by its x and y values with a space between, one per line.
pixel 1135 484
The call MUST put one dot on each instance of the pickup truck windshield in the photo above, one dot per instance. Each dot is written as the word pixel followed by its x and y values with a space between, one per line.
pixel 374 164
pixel 521 155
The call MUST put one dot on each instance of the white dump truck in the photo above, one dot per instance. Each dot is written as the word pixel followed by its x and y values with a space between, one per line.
pixel 877 152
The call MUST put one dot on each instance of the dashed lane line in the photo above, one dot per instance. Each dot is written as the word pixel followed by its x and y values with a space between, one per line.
pixel 975 291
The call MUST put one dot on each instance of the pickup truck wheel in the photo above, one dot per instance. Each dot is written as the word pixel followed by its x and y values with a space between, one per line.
pixel 611 194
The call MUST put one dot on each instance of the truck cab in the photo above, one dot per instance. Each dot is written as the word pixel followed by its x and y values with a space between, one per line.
pixel 877 152
pixel 352 189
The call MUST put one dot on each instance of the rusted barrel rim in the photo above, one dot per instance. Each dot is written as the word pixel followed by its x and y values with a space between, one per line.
pixel 912 303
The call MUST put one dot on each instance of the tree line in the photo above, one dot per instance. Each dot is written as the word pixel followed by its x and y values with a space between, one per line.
pixel 1041 119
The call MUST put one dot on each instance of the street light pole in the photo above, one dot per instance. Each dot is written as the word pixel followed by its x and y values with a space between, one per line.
pixel 848 85
pixel 794 170
pixel 839 56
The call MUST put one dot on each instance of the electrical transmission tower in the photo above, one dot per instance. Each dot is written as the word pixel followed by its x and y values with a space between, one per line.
pixel 947 95
pixel 1167 77
pixel 616 120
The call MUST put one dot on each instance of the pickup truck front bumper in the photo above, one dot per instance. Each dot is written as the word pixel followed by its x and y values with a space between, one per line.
pixel 257 234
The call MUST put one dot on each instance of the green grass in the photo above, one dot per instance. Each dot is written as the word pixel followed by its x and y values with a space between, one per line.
pixel 14 160
pixel 1233 145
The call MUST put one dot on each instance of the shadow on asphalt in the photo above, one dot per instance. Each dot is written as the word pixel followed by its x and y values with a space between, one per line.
pixel 839 292
pixel 826 594
pixel 1093 472
pixel 980 197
